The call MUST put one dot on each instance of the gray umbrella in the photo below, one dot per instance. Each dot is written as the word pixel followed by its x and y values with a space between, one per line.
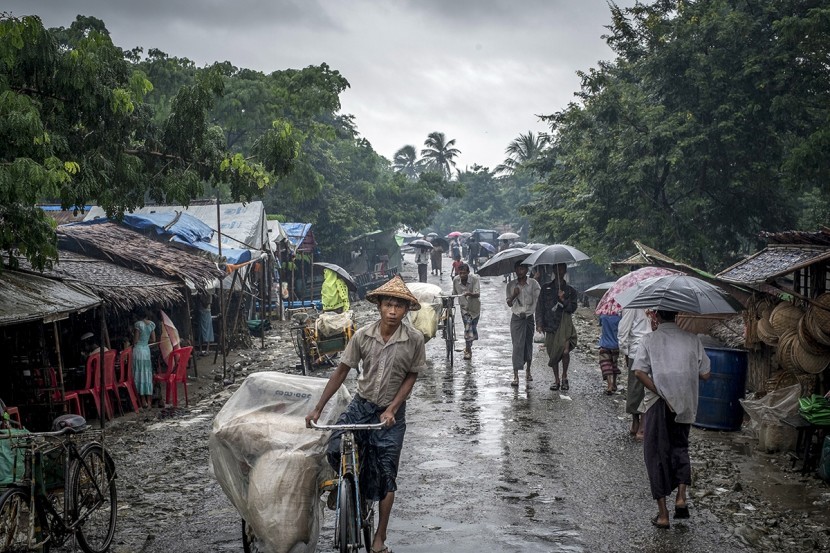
pixel 598 290
pixel 508 236
pixel 503 262
pixel 421 243
pixel 678 293
pixel 535 246
pixel 555 254
pixel 350 283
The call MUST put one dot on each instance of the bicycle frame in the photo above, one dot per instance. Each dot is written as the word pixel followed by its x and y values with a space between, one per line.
pixel 349 471
pixel 48 525
pixel 448 324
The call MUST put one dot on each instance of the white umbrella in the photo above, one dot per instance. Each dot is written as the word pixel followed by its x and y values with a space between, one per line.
pixel 554 255
pixel 678 293
pixel 598 290
pixel 508 236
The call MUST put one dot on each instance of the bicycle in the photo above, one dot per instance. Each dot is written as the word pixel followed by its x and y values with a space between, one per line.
pixel 313 348
pixel 67 489
pixel 446 322
pixel 354 517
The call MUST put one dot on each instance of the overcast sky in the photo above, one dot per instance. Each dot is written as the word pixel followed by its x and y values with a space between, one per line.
pixel 479 71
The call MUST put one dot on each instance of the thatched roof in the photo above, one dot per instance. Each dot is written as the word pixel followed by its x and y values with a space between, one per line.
pixel 774 261
pixel 121 246
pixel 796 237
pixel 122 288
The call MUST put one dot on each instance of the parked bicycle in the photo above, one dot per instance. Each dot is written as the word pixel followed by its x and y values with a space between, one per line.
pixel 66 489
pixel 446 322
pixel 311 346
pixel 354 516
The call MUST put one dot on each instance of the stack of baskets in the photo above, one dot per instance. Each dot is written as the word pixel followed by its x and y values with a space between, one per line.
pixel 802 338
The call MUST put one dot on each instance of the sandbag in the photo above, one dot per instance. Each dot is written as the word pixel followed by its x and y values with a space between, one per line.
pixel 330 323
pixel 268 463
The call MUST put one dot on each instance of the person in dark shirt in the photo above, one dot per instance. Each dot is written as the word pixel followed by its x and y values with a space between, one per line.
pixel 556 305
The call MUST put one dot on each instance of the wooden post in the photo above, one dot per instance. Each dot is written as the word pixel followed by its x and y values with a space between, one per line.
pixel 60 363
pixel 190 329
pixel 221 292
pixel 103 399
pixel 262 318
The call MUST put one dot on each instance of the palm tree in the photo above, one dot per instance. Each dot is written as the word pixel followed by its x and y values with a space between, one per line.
pixel 439 153
pixel 406 162
pixel 523 150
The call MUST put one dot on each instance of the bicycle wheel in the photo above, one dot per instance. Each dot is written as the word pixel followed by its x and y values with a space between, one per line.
pixel 94 498
pixel 15 521
pixel 347 522
pixel 368 526
pixel 250 543
pixel 450 337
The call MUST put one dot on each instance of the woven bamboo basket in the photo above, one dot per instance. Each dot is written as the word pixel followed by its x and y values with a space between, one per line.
pixel 780 379
pixel 784 317
pixel 766 333
pixel 821 312
pixel 806 361
pixel 808 340
pixel 784 354
pixel 815 329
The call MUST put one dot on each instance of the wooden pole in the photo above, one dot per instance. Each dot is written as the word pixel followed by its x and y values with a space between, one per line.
pixel 103 399
pixel 60 363
pixel 190 330
pixel 221 292
pixel 262 318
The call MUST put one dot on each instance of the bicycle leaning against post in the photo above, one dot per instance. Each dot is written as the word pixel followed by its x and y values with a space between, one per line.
pixel 67 489
pixel 354 516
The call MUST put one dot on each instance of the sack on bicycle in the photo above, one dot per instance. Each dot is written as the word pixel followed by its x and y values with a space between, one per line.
pixel 426 318
pixel 269 464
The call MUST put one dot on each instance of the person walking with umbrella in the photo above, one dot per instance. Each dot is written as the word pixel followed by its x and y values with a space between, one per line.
pixel 467 286
pixel 522 296
pixel 422 248
pixel 669 363
pixel 557 303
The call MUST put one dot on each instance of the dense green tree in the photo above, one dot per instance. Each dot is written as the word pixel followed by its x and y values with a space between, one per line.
pixel 77 129
pixel 706 129
pixel 439 154
pixel 406 162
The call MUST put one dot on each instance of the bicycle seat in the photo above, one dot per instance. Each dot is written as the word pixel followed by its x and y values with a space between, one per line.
pixel 76 423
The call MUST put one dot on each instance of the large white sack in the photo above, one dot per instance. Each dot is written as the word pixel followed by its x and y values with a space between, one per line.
pixel 426 318
pixel 261 452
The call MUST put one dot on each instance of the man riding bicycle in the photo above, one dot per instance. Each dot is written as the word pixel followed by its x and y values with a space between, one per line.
pixel 392 354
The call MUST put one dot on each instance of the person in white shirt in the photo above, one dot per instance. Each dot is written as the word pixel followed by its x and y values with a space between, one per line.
pixel 469 288
pixel 522 295
pixel 422 260
pixel 634 324
pixel 669 363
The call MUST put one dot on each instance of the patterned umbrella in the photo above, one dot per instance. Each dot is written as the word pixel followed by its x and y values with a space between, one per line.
pixel 608 304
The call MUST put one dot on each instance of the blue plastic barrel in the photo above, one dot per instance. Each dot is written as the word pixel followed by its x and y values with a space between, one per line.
pixel 718 407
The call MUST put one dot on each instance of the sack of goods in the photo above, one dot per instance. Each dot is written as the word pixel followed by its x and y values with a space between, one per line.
pixel 330 324
pixel 426 318
pixel 269 464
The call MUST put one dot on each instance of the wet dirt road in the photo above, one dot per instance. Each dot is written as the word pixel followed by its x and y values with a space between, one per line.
pixel 485 466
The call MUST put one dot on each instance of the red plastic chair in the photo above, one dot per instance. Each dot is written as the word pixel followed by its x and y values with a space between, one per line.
pixel 177 362
pixel 110 382
pixel 93 383
pixel 125 376
pixel 70 398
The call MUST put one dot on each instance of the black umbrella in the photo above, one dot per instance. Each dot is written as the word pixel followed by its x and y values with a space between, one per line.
pixel 350 283
pixel 503 262
pixel 421 243
pixel 437 241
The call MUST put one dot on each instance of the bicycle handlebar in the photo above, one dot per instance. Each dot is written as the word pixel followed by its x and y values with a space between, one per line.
pixel 372 426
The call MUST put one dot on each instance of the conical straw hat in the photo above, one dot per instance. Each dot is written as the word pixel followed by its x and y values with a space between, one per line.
pixel 395 288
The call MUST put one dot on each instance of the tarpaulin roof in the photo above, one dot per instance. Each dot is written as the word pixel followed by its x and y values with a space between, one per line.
pixel 300 236
pixel 244 226
pixel 27 297
pixel 275 232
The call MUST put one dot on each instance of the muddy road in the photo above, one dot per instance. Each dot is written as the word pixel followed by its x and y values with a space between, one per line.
pixel 485 466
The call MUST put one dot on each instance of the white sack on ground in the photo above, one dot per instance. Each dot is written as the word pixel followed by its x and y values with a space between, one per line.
pixel 268 463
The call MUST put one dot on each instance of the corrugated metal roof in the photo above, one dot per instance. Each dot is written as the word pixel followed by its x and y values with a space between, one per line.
pixel 27 297
pixel 774 261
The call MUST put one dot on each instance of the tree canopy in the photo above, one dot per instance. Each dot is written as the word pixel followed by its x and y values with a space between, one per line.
pixel 709 126
pixel 78 128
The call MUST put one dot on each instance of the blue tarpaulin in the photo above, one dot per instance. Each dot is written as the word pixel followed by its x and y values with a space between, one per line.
pixel 184 229
pixel 300 236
